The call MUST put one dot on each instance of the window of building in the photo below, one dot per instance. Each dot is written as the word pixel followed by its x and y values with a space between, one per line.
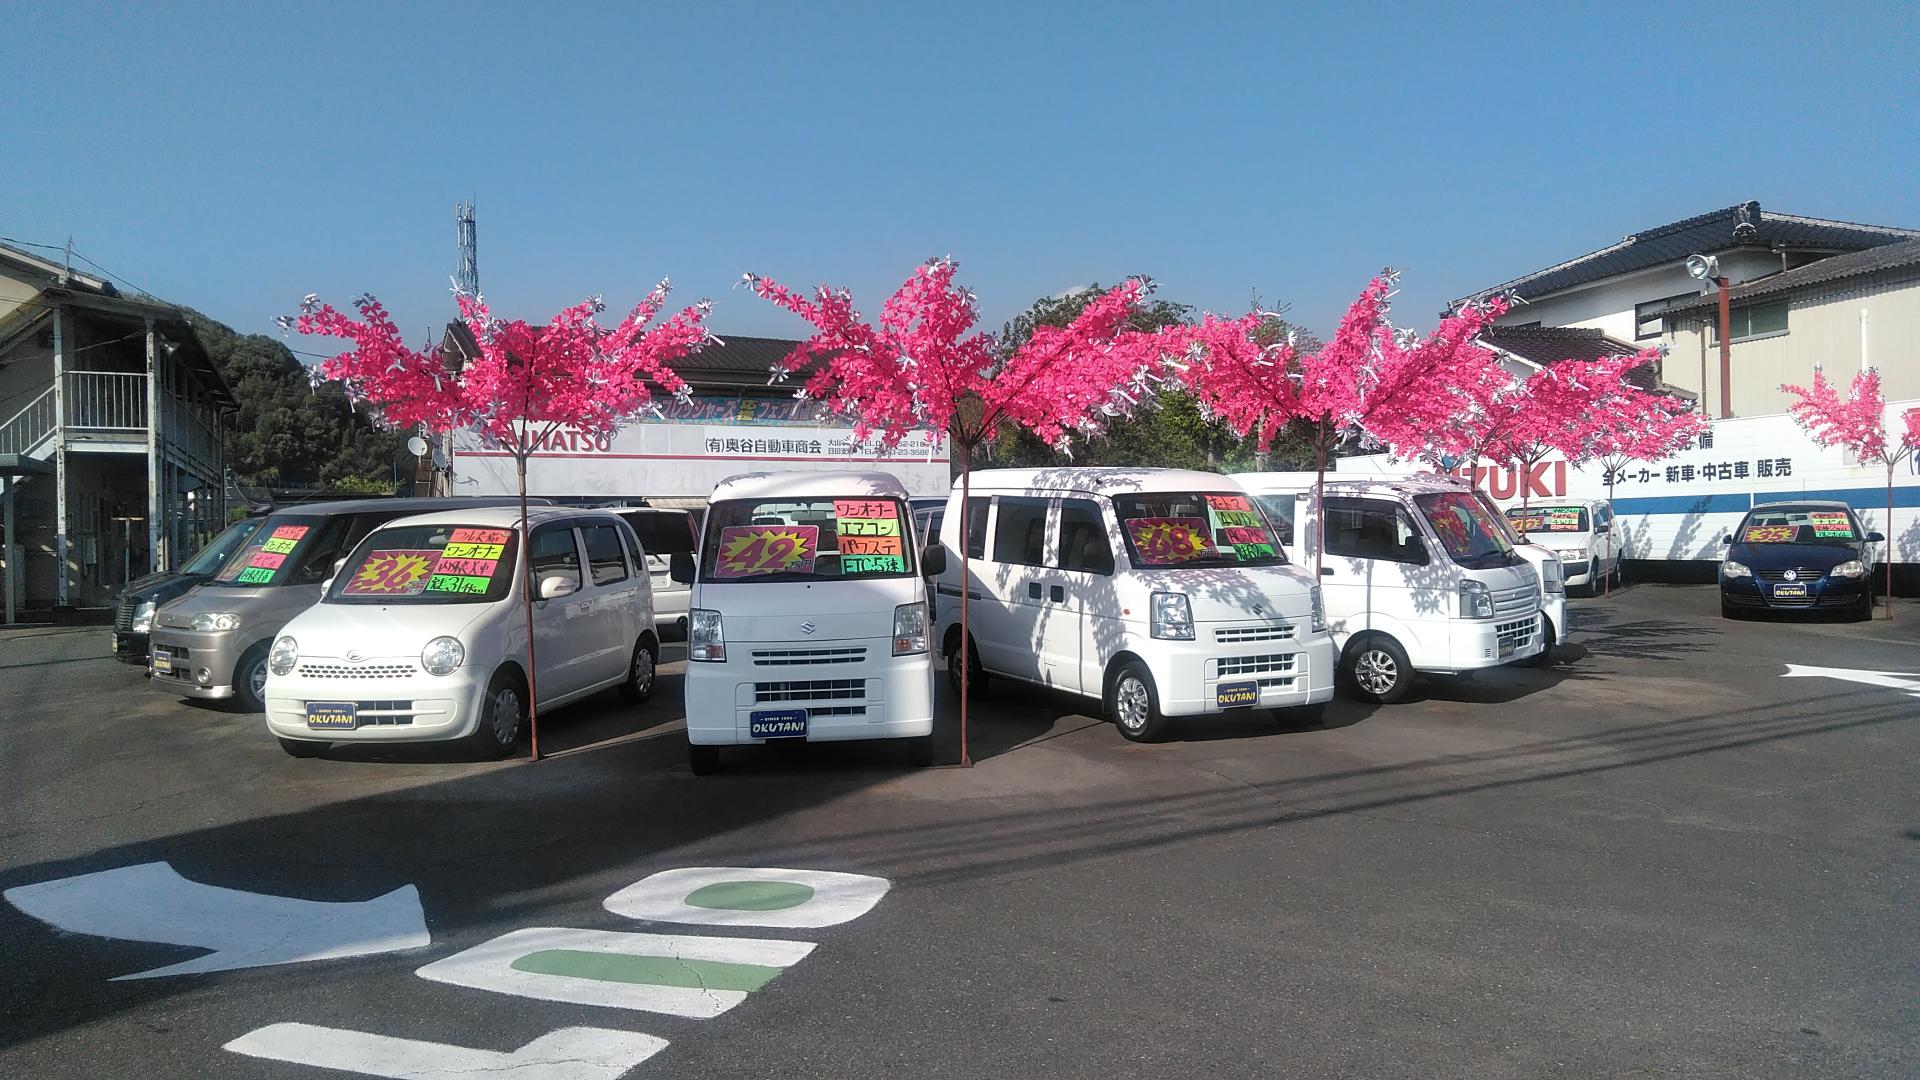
pixel 1647 320
pixel 604 554
pixel 1752 321
pixel 1020 531
pixel 1084 546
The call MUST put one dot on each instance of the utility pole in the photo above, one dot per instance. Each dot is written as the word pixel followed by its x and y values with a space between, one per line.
pixel 463 226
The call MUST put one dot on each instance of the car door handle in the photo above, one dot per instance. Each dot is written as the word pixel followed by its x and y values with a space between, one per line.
pixel 1033 590
pixel 1326 571
pixel 1059 594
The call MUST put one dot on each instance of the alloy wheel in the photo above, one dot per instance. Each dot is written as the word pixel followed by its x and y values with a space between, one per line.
pixel 1376 672
pixel 1131 703
pixel 257 680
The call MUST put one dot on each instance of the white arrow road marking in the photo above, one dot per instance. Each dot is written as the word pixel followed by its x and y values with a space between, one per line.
pixel 700 977
pixel 726 896
pixel 1892 679
pixel 150 902
pixel 575 1053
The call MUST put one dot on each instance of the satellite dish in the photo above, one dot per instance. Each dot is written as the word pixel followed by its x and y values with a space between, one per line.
pixel 1703 267
pixel 416 446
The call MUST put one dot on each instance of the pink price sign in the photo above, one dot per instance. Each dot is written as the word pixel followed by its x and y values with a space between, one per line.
pixel 1162 541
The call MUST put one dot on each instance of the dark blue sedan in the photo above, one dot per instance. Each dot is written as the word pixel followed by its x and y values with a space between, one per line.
pixel 1798 556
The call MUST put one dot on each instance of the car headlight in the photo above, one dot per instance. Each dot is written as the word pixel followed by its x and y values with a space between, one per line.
pixel 443 656
pixel 285 654
pixel 224 620
pixel 1554 577
pixel 1476 600
pixel 1730 570
pixel 706 638
pixel 1171 617
pixel 909 629
pixel 143 617
pixel 1319 611
pixel 1852 568
pixel 1572 553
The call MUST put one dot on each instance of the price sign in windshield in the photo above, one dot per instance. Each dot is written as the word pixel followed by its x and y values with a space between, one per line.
pixel 754 550
pixel 1770 534
pixel 392 572
pixel 1831 524
pixel 1164 541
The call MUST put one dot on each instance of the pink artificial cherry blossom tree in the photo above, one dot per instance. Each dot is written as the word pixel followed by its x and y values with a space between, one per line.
pixel 924 365
pixel 1858 424
pixel 514 384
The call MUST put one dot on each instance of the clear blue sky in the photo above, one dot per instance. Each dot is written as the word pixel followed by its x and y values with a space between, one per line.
pixel 235 157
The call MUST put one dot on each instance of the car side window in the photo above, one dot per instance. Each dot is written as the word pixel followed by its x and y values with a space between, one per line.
pixel 1370 529
pixel 1084 544
pixel 1279 510
pixel 605 555
pixel 554 555
pixel 977 527
pixel 1020 530
pixel 333 544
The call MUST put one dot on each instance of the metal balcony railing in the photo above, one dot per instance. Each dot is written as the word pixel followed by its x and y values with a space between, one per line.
pixel 29 427
pixel 106 400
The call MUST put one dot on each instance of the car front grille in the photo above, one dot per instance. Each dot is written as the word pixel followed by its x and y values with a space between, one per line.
pixel 1241 635
pixel 383 713
pixel 1515 601
pixel 1800 574
pixel 792 657
pixel 180 658
pixel 810 690
pixel 357 671
pixel 123 614
pixel 1517 634
pixel 1227 667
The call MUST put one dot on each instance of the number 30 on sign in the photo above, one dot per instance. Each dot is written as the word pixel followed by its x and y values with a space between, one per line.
pixel 752 550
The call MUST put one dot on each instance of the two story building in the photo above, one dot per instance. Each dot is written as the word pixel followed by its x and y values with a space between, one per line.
pixel 112 420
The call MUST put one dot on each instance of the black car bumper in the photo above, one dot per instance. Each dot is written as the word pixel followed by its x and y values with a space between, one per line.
pixel 130 646
pixel 1824 594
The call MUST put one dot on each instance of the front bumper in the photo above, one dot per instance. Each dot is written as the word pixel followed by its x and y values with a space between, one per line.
pixel 194 663
pixel 874 696
pixel 130 645
pixel 1290 672
pixel 1823 593
pixel 1495 642
pixel 394 701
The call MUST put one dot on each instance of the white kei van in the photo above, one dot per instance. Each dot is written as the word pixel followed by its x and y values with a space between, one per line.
pixel 1159 592
pixel 1582 532
pixel 421 633
pixel 1418 577
pixel 809 616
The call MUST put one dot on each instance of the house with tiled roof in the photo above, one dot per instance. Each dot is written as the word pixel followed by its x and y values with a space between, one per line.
pixel 1625 291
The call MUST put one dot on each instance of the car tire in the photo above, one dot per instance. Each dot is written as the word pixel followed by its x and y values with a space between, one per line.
pixel 1134 704
pixel 642 671
pixel 1863 613
pixel 1545 657
pixel 978 682
pixel 1377 669
pixel 250 679
pixel 703 760
pixel 920 751
pixel 503 716
pixel 301 748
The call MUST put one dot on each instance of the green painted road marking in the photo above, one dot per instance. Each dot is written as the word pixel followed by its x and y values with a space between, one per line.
pixel 647 970
pixel 751 895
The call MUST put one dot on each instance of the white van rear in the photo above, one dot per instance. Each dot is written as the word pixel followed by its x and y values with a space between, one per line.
pixel 1417 576
pixel 809 616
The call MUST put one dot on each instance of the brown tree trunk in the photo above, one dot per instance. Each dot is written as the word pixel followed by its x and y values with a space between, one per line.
pixel 1319 503
pixel 526 556
pixel 966 579
pixel 1886 548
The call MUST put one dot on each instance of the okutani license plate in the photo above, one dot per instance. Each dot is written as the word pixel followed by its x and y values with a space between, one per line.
pixel 1236 695
pixel 778 724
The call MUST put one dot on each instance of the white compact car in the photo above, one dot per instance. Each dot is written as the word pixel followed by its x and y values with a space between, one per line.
pixel 1157 592
pixel 1582 532
pixel 809 618
pixel 421 635
pixel 1419 576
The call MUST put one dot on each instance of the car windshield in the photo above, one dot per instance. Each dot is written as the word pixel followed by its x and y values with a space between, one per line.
pixel 222 547
pixel 428 564
pixel 854 538
pixel 280 552
pixel 1781 525
pixel 1469 533
pixel 1550 519
pixel 1196 529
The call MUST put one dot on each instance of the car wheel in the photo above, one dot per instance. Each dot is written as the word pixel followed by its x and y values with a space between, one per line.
pixel 301 748
pixel 250 679
pixel 1134 706
pixel 502 716
pixel 703 760
pixel 977 680
pixel 1864 613
pixel 1378 670
pixel 920 751
pixel 1545 657
pixel 641 671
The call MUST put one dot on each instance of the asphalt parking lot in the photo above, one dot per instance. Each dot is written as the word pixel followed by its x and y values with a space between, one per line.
pixel 1664 856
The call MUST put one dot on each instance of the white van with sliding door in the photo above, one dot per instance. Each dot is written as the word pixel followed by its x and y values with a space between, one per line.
pixel 1418 577
pixel 809 616
pixel 1582 532
pixel 1158 592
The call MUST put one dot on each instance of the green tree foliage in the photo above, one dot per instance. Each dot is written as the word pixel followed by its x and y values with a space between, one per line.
pixel 288 433
pixel 1169 433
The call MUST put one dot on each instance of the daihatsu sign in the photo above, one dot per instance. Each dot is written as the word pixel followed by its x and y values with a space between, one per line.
pixel 681 460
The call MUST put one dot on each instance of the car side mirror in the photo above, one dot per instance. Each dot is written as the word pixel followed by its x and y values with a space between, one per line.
pixel 1876 538
pixel 933 562
pixel 555 587
pixel 680 567
pixel 338 565
pixel 1726 539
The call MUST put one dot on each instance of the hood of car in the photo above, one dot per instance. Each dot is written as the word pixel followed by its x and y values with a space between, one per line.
pixel 1821 557
pixel 1234 594
pixel 376 630
pixel 161 587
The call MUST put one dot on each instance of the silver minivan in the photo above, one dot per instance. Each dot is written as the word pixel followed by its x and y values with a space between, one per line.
pixel 212 643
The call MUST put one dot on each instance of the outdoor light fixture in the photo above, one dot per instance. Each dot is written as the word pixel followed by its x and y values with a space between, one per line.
pixel 1704 269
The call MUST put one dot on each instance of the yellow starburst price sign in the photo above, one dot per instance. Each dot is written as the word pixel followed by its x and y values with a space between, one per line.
pixel 392 572
pixel 753 550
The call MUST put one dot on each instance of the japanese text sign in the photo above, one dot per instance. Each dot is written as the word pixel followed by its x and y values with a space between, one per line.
pixel 868 535
pixel 1831 524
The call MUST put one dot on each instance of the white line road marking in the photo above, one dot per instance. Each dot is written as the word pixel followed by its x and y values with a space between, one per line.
pixel 575 1053
pixel 489 966
pixel 151 902
pixel 1893 680
pixel 837 898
